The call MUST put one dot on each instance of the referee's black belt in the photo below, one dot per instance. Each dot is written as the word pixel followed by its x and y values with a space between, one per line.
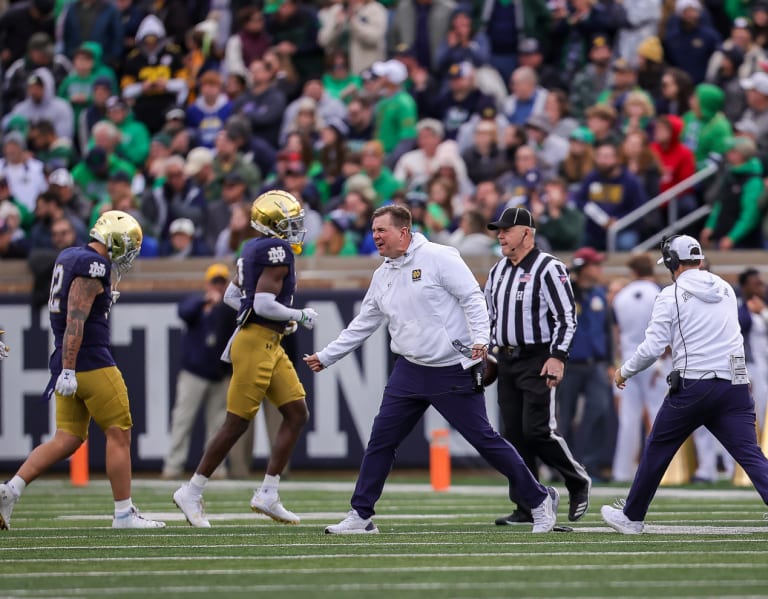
pixel 524 351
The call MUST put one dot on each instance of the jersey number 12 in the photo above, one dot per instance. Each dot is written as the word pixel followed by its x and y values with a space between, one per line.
pixel 57 280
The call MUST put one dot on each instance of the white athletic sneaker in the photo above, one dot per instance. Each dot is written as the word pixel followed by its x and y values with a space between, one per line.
pixel 544 516
pixel 133 519
pixel 353 525
pixel 270 506
pixel 7 501
pixel 191 507
pixel 617 520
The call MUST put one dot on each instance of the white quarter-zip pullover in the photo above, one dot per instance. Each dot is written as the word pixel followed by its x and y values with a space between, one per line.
pixel 703 307
pixel 429 298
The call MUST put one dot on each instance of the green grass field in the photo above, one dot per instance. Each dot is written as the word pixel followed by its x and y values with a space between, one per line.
pixel 700 543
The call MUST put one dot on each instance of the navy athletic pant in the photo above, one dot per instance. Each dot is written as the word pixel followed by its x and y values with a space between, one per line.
pixel 727 410
pixel 411 389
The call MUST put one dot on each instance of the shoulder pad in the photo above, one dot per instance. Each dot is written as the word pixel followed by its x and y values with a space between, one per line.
pixel 270 251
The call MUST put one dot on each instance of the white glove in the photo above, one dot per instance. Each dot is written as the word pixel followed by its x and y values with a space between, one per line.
pixel 308 317
pixel 66 384
pixel 4 349
pixel 290 328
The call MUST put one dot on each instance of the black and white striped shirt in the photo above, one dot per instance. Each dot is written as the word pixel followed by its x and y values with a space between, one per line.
pixel 531 303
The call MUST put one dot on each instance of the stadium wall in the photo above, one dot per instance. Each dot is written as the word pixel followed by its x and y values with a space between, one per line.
pixel 146 337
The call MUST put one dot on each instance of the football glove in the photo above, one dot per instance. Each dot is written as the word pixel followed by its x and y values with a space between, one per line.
pixel 308 317
pixel 66 384
pixel 290 328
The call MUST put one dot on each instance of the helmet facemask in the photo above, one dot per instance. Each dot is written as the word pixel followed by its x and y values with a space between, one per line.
pixel 122 252
pixel 278 214
pixel 121 235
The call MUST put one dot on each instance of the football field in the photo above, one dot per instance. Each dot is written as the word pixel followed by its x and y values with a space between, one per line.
pixel 701 542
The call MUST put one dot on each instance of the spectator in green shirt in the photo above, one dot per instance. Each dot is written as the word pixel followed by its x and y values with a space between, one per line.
pixel 101 161
pixel 384 182
pixel 134 135
pixel 395 116
pixel 338 81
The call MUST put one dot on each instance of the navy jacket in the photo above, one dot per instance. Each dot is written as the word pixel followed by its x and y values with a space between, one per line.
pixel 592 339
pixel 690 50
pixel 206 337
pixel 107 31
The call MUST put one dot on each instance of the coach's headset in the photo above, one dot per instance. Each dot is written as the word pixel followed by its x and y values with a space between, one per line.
pixel 669 256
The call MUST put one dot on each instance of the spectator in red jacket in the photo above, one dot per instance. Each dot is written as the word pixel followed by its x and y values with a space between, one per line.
pixel 678 162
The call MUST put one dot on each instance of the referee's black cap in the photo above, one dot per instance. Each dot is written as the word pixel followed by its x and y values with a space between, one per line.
pixel 512 217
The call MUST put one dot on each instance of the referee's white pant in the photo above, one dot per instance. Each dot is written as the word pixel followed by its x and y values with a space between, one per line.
pixel 644 393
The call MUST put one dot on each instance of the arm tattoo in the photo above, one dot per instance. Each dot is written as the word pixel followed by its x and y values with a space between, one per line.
pixel 82 292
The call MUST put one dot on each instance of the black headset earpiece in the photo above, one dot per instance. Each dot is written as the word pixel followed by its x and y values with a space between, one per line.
pixel 670 256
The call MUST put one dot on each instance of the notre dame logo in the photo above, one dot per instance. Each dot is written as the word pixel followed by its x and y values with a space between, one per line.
pixel 416 275
pixel 276 254
pixel 97 269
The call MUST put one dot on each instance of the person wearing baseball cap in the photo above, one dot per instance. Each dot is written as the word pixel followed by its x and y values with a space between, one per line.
pixel 203 379
pixel 591 353
pixel 134 135
pixel 183 240
pixel 756 89
pixel 533 319
pixel 736 219
pixel 592 78
pixel 530 53
pixel 690 40
pixel 396 114
pixel 709 385
pixel 197 160
pixel 461 101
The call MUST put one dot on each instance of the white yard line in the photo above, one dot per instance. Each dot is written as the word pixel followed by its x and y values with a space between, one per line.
pixel 406 586
pixel 358 554
pixel 367 570
pixel 500 489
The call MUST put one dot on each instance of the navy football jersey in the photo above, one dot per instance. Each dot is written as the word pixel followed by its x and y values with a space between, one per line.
pixel 258 254
pixel 82 261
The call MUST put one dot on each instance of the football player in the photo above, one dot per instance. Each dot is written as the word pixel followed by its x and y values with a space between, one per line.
pixel 4 349
pixel 263 295
pixel 84 377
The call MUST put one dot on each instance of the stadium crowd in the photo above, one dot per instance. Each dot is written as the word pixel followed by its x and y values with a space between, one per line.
pixel 181 111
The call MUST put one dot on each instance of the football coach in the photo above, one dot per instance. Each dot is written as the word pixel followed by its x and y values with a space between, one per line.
pixel 439 327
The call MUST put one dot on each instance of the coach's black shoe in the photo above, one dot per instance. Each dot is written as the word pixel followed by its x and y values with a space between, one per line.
pixel 516 517
pixel 579 502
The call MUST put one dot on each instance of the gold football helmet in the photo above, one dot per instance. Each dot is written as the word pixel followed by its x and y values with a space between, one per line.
pixel 122 235
pixel 278 214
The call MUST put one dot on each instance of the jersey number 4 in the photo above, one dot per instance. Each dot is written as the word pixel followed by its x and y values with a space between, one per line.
pixel 57 280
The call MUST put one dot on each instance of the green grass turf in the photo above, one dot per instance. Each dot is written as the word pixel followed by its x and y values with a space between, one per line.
pixel 703 542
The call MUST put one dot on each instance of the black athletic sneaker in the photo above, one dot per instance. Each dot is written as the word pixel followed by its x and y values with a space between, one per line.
pixel 516 517
pixel 579 502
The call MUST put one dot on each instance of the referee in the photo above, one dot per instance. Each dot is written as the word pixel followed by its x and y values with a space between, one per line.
pixel 533 317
